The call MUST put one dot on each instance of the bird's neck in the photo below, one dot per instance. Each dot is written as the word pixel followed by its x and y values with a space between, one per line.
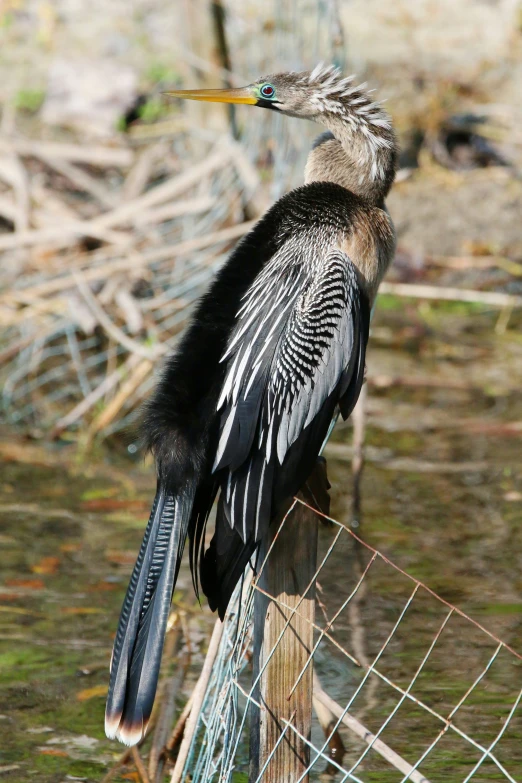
pixel 354 158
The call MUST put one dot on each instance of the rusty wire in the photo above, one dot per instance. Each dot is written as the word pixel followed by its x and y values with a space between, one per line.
pixel 219 745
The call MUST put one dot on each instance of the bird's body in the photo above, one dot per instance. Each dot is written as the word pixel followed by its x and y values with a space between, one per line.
pixel 275 349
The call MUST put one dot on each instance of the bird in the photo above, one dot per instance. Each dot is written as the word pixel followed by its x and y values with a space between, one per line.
pixel 274 351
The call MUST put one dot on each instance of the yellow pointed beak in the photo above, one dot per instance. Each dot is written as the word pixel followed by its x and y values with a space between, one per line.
pixel 240 95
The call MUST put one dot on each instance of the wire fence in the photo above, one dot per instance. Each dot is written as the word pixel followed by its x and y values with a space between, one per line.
pixel 406 685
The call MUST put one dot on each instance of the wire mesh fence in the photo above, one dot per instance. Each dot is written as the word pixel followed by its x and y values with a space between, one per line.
pixel 406 685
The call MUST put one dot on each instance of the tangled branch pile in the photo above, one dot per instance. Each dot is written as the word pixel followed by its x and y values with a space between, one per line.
pixel 112 245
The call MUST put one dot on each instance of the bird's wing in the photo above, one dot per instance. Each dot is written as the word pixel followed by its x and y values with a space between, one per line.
pixel 296 352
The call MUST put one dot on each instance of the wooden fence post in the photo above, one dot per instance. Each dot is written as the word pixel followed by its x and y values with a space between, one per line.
pixel 287 576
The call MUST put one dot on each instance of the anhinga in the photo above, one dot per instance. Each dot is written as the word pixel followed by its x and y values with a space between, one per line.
pixel 275 349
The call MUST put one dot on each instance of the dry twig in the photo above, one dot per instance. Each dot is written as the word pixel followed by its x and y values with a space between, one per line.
pixel 127 388
pixel 88 402
pixel 178 730
pixel 365 734
pixel 198 696
pixel 493 298
pixel 172 687
pixel 82 180
pixel 112 330
pixel 80 153
pixel 136 261
pixel 140 766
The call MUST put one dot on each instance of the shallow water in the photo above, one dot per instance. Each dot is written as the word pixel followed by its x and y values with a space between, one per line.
pixel 442 497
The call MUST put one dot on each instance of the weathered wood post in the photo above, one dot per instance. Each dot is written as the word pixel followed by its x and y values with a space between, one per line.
pixel 288 578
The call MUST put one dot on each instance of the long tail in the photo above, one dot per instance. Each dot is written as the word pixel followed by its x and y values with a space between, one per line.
pixel 138 647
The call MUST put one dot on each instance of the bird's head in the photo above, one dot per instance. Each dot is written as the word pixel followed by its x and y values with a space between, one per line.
pixel 306 94
pixel 357 122
pixel 279 92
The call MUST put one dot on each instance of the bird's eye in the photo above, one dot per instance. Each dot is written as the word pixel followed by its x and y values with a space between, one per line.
pixel 267 91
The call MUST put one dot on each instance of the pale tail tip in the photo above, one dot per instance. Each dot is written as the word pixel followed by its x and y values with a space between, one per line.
pixel 112 724
pixel 127 734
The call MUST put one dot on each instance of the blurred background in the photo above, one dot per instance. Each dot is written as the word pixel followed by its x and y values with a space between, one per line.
pixel 116 208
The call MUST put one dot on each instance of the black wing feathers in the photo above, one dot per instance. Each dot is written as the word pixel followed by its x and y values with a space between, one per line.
pixel 224 562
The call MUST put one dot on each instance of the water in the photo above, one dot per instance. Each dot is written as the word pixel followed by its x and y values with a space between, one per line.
pixel 442 496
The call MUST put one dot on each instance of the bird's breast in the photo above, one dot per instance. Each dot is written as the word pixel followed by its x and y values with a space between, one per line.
pixel 370 245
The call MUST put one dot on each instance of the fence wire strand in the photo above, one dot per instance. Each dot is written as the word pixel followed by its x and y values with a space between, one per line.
pixel 220 745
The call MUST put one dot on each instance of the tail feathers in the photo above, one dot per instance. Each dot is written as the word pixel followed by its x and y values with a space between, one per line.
pixel 224 562
pixel 139 640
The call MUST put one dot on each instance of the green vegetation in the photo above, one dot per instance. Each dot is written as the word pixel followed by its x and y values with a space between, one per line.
pixel 159 72
pixel 29 100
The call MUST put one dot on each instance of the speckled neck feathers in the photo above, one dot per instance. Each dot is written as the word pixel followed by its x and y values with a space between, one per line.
pixel 360 151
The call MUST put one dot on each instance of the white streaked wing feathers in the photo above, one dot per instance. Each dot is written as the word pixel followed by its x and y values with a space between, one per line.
pixel 322 315
pixel 293 341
